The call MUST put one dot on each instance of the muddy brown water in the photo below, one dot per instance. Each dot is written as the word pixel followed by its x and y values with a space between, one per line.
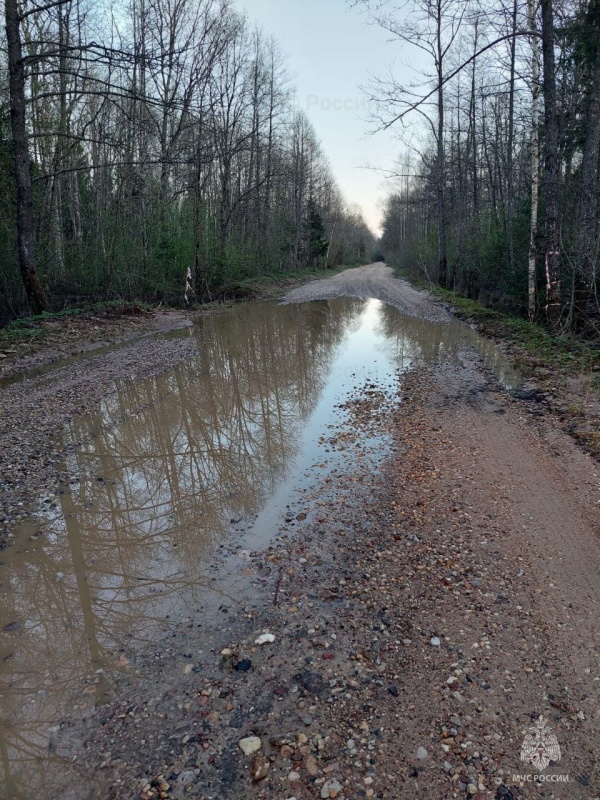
pixel 212 455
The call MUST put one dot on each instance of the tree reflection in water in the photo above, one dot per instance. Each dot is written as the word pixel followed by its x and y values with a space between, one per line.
pixel 160 469
pixel 170 460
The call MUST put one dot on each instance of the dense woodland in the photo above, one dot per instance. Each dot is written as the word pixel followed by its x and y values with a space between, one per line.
pixel 153 149
pixel 496 193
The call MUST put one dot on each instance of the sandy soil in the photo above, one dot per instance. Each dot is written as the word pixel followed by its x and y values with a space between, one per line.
pixel 373 280
pixel 424 617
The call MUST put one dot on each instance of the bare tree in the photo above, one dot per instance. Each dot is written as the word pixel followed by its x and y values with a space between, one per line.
pixel 21 158
pixel 585 277
pixel 535 163
pixel 158 152
pixel 551 167
pixel 493 227
pixel 432 26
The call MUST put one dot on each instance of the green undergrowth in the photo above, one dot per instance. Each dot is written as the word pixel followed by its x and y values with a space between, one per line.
pixel 532 346
pixel 34 327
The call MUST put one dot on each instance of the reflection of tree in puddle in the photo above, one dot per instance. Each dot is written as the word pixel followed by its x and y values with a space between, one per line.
pixel 170 460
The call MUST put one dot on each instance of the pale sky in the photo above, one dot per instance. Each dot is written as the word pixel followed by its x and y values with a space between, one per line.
pixel 330 50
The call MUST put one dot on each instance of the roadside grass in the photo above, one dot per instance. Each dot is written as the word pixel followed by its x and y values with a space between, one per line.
pixel 282 279
pixel 532 347
pixel 33 329
pixel 566 368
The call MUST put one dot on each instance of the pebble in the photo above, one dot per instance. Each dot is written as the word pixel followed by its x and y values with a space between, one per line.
pixel 422 754
pixel 250 745
pixel 436 641
pixel 11 626
pixel 186 777
pixel 311 766
pixel 260 767
pixel 330 789
pixel 265 638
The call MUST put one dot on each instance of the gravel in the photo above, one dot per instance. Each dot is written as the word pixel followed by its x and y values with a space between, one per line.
pixel 374 280
pixel 356 619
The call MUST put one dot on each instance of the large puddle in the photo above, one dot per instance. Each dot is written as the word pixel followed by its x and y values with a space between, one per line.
pixel 168 470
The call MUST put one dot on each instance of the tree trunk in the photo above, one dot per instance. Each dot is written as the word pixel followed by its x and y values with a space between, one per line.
pixel 535 162
pixel 473 125
pixel 21 165
pixel 551 168
pixel 510 204
pixel 588 224
pixel 441 160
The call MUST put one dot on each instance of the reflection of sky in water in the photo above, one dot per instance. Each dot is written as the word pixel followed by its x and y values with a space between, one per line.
pixel 166 464
pixel 364 354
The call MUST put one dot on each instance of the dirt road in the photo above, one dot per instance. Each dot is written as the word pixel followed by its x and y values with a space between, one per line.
pixel 373 280
pixel 424 615
pixel 422 625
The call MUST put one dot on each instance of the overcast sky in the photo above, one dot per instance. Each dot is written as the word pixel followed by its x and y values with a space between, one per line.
pixel 331 50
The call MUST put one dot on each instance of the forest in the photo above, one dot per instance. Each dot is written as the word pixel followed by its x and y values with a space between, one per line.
pixel 154 150
pixel 496 191
pixel 157 152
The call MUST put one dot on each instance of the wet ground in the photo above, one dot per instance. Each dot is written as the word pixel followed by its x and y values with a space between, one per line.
pixel 372 281
pixel 337 473
pixel 214 454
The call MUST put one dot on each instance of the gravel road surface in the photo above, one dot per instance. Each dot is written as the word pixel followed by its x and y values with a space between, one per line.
pixel 373 280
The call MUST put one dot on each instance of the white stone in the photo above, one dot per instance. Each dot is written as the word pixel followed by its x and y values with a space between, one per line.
pixel 250 745
pixel 265 638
